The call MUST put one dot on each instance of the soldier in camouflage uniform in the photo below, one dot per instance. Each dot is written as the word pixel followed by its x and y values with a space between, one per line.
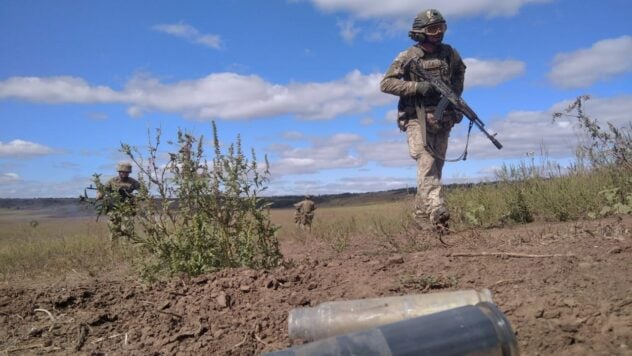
pixel 304 214
pixel 427 136
pixel 117 195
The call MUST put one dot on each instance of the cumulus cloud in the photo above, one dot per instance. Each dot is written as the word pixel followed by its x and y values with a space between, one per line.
pixel 191 34
pixel 21 148
pixel 520 132
pixel 9 178
pixel 359 184
pixel 604 60
pixel 348 31
pixel 234 96
pixel 292 135
pixel 20 188
pixel 56 90
pixel 396 9
pixel 323 153
pixel 388 153
pixel 491 72
pixel 221 95
pixel 532 131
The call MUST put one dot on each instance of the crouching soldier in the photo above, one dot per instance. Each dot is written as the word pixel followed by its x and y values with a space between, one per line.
pixel 118 201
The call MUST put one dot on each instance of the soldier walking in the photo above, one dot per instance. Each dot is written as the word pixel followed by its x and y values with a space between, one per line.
pixel 304 214
pixel 118 199
pixel 427 135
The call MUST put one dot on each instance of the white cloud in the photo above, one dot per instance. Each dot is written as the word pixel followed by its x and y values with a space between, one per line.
pixel 19 188
pixel 397 9
pixel 519 132
pixel 491 72
pixel 531 131
pixel 220 95
pixel 342 185
pixel 604 60
pixel 56 90
pixel 389 153
pixel 348 31
pixel 367 121
pixel 9 178
pixel 21 148
pixel 233 96
pixel 292 135
pixel 190 34
pixel 329 153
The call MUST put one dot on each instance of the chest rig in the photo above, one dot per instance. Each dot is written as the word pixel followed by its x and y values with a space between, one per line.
pixel 437 64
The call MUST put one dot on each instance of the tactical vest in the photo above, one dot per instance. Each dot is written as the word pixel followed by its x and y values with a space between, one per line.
pixel 438 64
pixel 125 189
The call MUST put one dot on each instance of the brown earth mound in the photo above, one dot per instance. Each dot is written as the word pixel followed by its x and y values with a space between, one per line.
pixel 565 288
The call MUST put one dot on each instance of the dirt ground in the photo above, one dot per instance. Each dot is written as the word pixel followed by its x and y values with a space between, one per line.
pixel 566 289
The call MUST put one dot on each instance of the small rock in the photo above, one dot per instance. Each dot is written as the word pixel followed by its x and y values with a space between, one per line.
pixel 312 285
pixel 271 283
pixel 393 260
pixel 298 300
pixel 615 251
pixel 223 300
pixel 252 274
pixel 554 314
pixel 569 327
pixel 244 288
pixel 569 302
pixel 200 280
pixel 34 332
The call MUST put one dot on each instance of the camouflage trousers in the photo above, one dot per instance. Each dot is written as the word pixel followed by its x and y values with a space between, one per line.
pixel 304 220
pixel 429 197
pixel 121 226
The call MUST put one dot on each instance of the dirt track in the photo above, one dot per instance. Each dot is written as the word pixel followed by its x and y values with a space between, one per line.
pixel 571 296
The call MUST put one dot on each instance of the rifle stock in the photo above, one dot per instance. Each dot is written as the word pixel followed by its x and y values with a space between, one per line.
pixel 450 97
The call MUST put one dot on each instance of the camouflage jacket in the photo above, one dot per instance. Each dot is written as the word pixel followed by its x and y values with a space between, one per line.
pixel 306 206
pixel 124 188
pixel 445 63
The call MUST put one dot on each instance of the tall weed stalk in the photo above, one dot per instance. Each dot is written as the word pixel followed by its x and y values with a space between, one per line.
pixel 198 216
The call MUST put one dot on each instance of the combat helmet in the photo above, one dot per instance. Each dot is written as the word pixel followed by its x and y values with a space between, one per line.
pixel 427 22
pixel 124 167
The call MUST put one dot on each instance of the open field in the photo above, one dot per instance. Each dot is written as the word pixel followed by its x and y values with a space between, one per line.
pixel 565 287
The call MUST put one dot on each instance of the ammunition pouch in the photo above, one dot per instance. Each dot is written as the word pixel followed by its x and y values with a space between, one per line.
pixel 404 115
pixel 445 123
pixel 433 124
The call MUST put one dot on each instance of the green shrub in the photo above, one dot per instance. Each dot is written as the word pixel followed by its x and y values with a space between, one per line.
pixel 598 184
pixel 198 216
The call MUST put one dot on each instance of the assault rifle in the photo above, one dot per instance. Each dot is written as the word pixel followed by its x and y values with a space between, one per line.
pixel 450 97
pixel 97 204
pixel 85 197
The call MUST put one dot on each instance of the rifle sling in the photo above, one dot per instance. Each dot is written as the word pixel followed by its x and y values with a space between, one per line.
pixel 439 112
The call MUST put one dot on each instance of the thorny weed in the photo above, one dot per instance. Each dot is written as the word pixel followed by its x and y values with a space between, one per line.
pixel 198 215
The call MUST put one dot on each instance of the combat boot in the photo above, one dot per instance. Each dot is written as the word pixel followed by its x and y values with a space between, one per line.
pixel 440 219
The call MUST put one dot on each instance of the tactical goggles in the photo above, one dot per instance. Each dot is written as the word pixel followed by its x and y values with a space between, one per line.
pixel 435 28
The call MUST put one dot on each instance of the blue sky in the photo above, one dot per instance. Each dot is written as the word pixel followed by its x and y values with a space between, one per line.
pixel 297 79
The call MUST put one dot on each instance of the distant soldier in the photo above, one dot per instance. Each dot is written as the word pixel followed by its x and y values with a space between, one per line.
pixel 118 199
pixel 304 214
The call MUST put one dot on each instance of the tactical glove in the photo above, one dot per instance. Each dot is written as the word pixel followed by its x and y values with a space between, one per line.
pixel 424 88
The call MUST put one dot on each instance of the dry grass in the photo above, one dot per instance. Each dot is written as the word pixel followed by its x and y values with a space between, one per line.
pixel 35 247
